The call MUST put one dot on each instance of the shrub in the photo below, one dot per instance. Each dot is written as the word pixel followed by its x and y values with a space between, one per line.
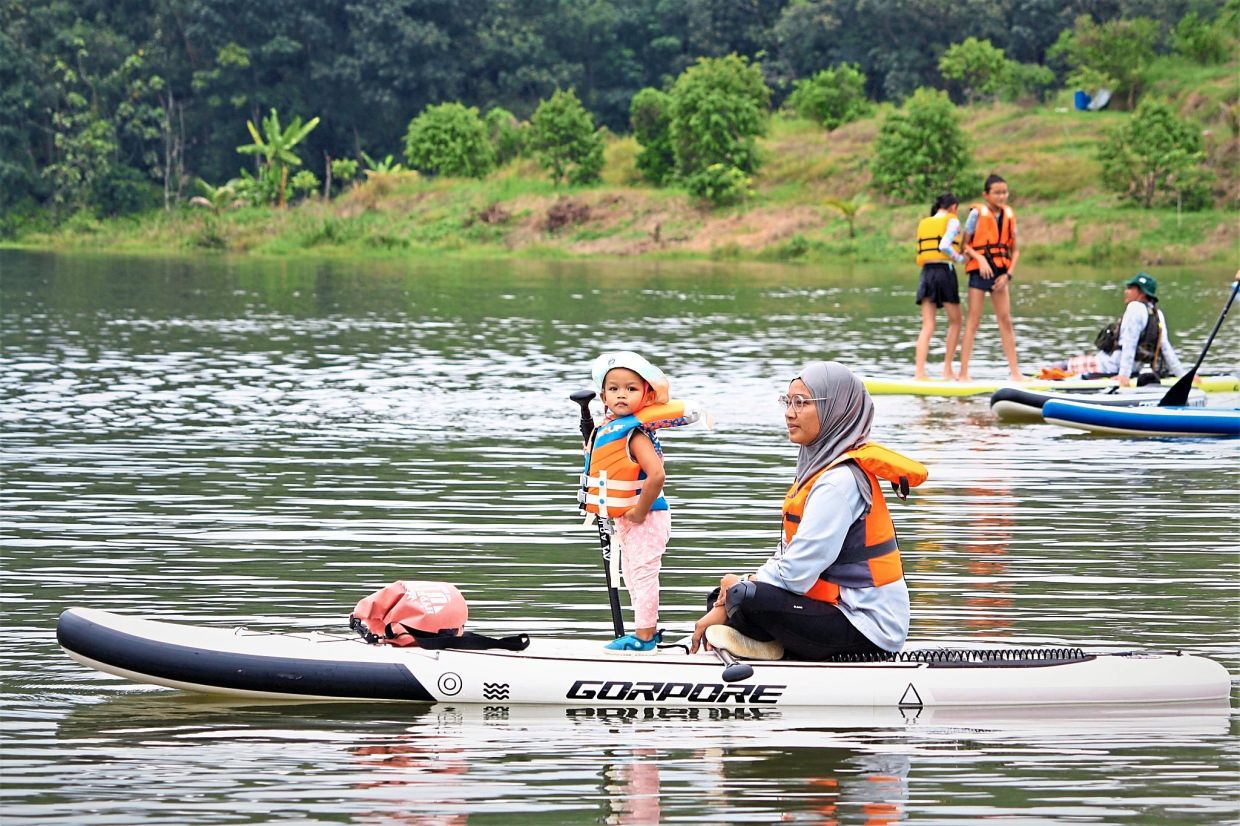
pixel 1199 41
pixel 449 139
pixel 920 150
pixel 506 134
pixel 1023 81
pixel 304 182
pixel 719 184
pixel 1156 153
pixel 719 106
pixel 122 190
pixel 832 97
pixel 563 139
pixel 976 65
pixel 344 169
pixel 651 119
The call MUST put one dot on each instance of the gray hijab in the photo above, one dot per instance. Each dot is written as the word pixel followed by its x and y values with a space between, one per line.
pixel 844 419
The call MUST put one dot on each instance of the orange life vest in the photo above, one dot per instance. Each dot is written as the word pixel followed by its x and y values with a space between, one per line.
pixel 869 556
pixel 611 480
pixel 991 240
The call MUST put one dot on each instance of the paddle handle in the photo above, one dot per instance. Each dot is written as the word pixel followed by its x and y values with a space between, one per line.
pixel 583 398
pixel 1177 396
pixel 1218 324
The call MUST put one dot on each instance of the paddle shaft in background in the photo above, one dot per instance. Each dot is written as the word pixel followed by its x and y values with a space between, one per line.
pixel 583 398
pixel 1177 396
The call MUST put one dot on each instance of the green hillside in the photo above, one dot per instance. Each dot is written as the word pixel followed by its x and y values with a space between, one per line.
pixel 1046 152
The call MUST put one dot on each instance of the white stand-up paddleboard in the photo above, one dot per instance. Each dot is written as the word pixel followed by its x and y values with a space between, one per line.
pixel 581 673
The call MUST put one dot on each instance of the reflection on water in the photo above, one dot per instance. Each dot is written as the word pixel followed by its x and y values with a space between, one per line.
pixel 263 444
pixel 455 764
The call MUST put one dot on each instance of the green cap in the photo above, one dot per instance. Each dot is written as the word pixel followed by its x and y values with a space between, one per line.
pixel 1145 283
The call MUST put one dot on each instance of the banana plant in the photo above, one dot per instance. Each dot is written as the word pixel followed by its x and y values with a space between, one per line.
pixel 275 146
pixel 850 209
pixel 215 198
pixel 383 167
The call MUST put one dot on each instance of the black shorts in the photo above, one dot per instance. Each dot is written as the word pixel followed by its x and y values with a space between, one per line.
pixel 938 284
pixel 986 285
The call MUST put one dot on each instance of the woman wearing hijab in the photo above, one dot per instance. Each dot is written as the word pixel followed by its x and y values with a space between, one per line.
pixel 835 585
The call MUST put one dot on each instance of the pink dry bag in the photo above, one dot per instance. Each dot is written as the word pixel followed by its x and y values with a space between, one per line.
pixel 403 612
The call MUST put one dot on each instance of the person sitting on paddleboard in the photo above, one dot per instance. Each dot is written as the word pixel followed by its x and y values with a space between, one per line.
pixel 626 383
pixel 1138 338
pixel 835 585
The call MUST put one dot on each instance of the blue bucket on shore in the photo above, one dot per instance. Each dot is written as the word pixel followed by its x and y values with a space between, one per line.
pixel 1081 100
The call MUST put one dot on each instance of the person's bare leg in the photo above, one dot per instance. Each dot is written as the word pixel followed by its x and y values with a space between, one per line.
pixel 1001 298
pixel 953 337
pixel 977 300
pixel 923 340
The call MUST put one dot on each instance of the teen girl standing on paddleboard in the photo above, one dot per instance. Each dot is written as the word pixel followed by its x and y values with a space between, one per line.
pixel 990 246
pixel 938 245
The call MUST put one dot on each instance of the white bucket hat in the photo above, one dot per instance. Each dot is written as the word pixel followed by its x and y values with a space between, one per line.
pixel 631 361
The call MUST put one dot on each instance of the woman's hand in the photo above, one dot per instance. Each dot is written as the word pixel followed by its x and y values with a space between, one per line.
pixel 715 616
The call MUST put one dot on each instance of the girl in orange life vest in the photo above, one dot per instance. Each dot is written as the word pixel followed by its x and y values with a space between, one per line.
pixel 938 245
pixel 627 383
pixel 990 246
pixel 835 584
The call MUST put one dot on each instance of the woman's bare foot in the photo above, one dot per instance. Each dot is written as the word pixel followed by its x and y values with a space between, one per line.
pixel 1016 377
pixel 949 375
pixel 920 377
pixel 962 376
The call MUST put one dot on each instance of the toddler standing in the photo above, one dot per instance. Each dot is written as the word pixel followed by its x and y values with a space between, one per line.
pixel 625 452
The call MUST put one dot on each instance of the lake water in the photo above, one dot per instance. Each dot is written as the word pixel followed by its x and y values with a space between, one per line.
pixel 264 443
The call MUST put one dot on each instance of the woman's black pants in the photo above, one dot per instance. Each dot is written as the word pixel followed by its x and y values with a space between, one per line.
pixel 809 629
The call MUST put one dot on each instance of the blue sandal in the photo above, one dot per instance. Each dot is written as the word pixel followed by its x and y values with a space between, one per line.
pixel 631 642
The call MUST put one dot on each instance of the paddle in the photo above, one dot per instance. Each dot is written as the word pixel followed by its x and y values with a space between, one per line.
pixel 582 398
pixel 733 671
pixel 1177 396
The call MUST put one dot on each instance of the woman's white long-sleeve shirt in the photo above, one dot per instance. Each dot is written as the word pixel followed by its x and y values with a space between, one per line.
pixel 881 613
pixel 1122 359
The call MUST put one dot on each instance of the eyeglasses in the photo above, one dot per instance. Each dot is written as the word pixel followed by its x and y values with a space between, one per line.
pixel 797 403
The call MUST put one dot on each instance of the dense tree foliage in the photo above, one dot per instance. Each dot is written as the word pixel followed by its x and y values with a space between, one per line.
pixel 450 139
pixel 110 105
pixel 650 116
pixel 506 133
pixel 921 150
pixel 1156 156
pixel 719 105
pixel 832 97
pixel 976 65
pixel 1112 54
pixel 563 139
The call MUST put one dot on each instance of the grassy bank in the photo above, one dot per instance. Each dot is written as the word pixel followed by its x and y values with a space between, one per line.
pixel 1047 153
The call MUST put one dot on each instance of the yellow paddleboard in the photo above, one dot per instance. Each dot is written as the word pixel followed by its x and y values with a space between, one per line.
pixel 902 386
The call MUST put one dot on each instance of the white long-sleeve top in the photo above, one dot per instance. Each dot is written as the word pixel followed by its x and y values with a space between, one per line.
pixel 881 613
pixel 1122 360
pixel 949 235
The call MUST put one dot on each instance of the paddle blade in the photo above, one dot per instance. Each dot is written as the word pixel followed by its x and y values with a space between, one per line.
pixel 736 672
pixel 1177 396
